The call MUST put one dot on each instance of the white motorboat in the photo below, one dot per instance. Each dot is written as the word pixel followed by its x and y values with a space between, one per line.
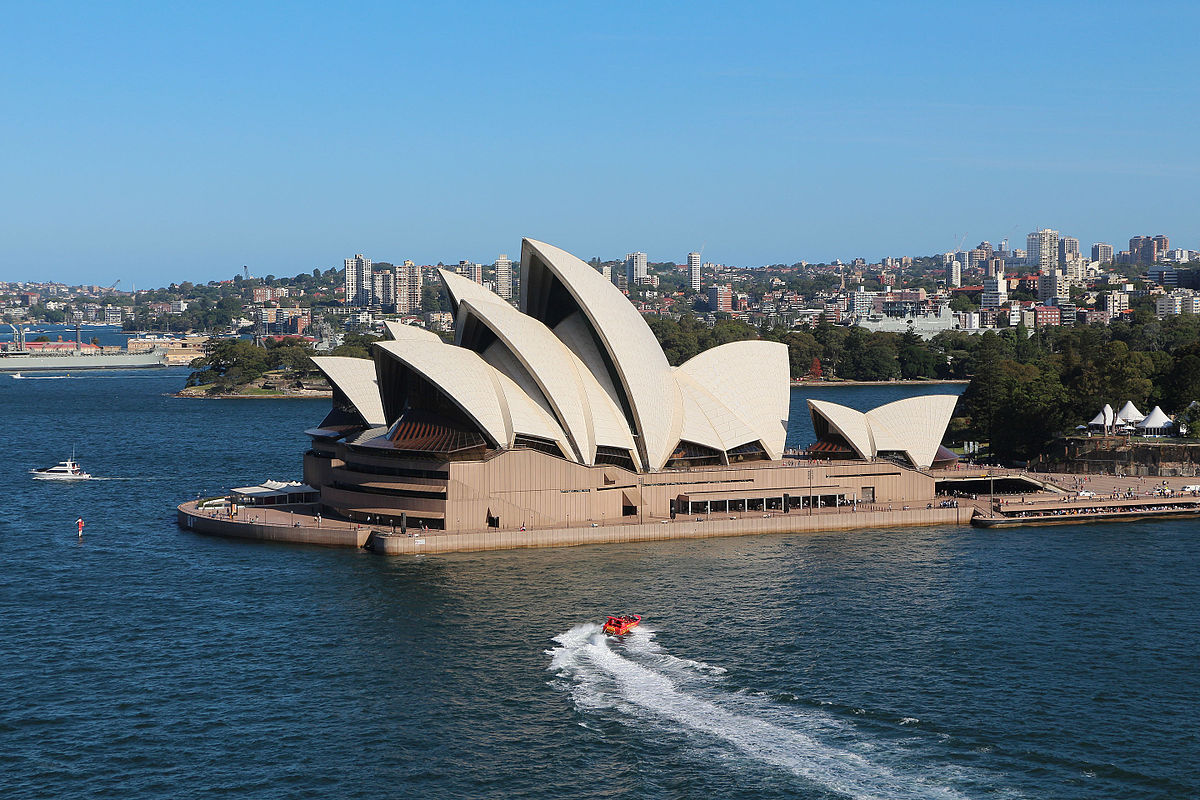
pixel 68 470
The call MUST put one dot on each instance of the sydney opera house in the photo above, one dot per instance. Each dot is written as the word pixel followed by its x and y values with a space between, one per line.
pixel 567 413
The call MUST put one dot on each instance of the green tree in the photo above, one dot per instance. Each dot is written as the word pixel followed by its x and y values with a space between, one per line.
pixel 228 363
pixel 355 345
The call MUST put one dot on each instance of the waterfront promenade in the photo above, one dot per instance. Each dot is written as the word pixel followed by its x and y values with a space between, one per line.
pixel 301 525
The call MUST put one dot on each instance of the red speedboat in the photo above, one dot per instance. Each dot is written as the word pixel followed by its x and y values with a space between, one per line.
pixel 618 626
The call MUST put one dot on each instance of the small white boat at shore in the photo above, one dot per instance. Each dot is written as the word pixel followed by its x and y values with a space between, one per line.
pixel 19 377
pixel 68 470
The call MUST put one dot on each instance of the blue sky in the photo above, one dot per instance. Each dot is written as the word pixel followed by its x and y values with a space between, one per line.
pixel 155 142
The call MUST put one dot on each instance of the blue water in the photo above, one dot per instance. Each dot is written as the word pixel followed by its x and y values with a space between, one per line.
pixel 149 662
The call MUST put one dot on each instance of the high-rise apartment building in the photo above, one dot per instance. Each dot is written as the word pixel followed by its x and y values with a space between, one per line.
pixel 635 268
pixel 1102 252
pixel 408 288
pixel 720 298
pixel 1042 249
pixel 1052 287
pixel 359 284
pixel 383 288
pixel 1148 249
pixel 694 271
pixel 954 274
pixel 1068 246
pixel 503 267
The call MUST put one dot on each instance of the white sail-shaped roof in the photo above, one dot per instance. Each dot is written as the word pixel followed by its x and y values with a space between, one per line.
pixel 641 368
pixel 527 417
pixel 1129 413
pixel 576 398
pixel 849 423
pixel 913 426
pixel 1155 420
pixel 1099 419
pixel 355 378
pixel 577 366
pixel 751 381
pixel 709 422
pixel 487 396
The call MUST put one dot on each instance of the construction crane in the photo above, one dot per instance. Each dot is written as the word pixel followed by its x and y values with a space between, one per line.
pixel 115 284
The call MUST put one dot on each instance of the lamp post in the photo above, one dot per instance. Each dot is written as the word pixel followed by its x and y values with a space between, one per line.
pixel 809 499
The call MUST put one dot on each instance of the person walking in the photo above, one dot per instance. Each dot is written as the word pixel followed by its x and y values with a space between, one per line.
pixel 79 526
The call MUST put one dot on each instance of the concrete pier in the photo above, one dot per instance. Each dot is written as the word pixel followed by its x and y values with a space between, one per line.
pixel 283 524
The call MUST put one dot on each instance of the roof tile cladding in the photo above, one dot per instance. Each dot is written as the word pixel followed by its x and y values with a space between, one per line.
pixel 580 367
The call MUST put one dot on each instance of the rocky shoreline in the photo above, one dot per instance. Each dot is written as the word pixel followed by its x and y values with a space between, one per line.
pixel 201 393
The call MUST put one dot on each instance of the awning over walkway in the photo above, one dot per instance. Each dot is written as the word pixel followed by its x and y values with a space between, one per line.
pixel 276 493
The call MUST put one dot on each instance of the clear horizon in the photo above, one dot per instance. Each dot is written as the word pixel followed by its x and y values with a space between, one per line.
pixel 156 145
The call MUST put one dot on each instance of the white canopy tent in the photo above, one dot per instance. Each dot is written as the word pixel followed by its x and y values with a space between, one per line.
pixel 1129 413
pixel 1104 419
pixel 1156 423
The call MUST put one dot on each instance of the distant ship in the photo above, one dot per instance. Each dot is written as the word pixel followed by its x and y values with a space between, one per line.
pixel 19 357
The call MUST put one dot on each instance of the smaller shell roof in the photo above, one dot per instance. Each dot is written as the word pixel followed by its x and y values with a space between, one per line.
pixel 464 377
pixel 913 426
pixel 355 378
pixel 849 423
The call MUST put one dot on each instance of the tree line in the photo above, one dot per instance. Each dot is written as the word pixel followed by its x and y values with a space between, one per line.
pixel 1027 387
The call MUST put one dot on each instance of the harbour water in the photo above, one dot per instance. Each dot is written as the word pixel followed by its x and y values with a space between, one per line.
pixel 935 663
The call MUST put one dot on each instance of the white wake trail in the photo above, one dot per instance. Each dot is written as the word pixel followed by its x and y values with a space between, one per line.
pixel 602 679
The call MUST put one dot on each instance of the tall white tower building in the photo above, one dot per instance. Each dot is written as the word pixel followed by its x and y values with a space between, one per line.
pixel 358 280
pixel 635 268
pixel 694 271
pixel 504 286
pixel 1042 249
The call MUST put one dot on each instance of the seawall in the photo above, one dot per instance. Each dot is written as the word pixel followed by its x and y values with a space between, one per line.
pixel 385 542
pixel 326 535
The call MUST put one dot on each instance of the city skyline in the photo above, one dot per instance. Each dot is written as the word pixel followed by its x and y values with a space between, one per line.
pixel 171 143
pixel 1100 251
